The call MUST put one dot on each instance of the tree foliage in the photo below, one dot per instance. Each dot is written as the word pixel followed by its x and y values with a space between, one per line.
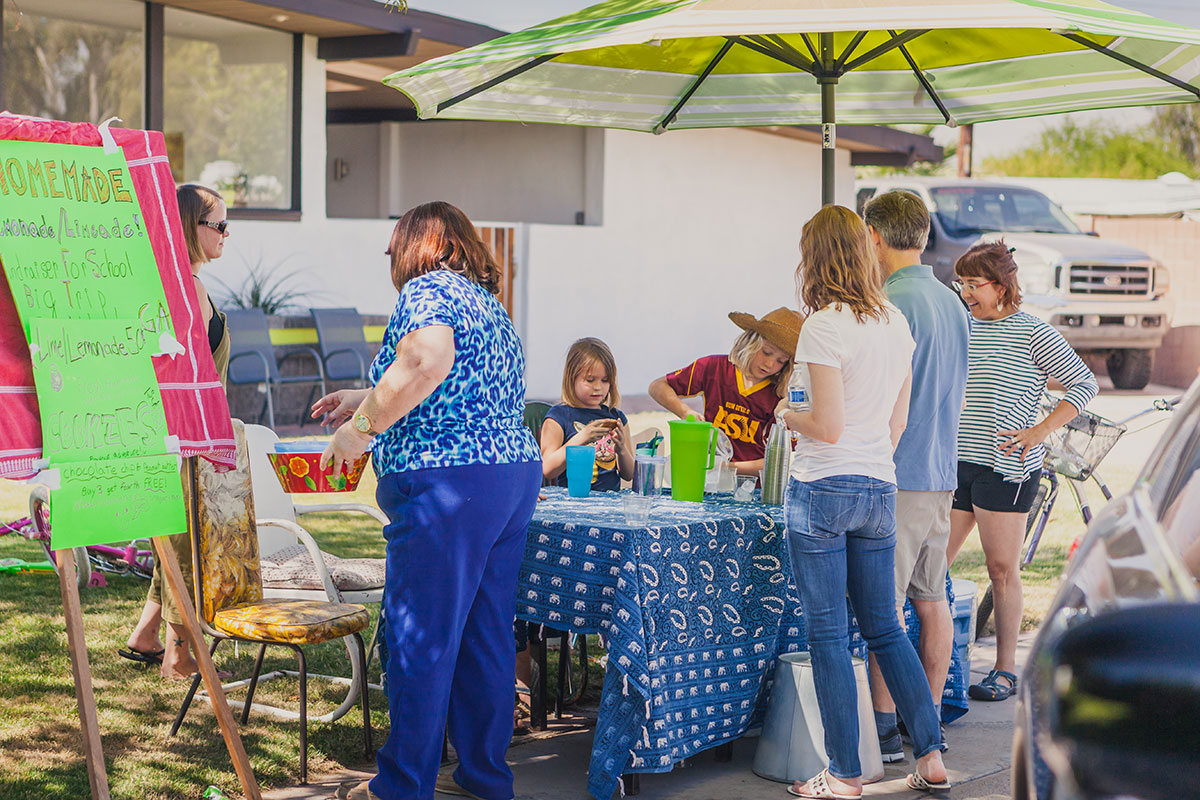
pixel 1103 150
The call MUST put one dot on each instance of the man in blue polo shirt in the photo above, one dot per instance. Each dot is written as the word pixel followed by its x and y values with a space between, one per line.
pixel 926 457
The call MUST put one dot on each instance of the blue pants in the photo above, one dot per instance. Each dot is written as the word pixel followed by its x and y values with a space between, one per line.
pixel 454 547
pixel 842 539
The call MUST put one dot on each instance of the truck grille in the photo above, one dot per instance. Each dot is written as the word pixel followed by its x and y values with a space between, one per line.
pixel 1112 280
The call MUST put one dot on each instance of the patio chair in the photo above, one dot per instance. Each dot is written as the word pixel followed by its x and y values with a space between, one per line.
pixel 534 416
pixel 229 595
pixel 345 353
pixel 295 567
pixel 252 360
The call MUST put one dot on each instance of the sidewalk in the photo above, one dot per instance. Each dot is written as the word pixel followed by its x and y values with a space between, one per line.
pixel 554 767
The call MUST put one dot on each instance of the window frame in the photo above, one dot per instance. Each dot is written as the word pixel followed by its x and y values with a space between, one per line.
pixel 153 101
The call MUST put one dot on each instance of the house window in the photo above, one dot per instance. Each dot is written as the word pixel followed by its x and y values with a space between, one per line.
pixel 79 62
pixel 228 91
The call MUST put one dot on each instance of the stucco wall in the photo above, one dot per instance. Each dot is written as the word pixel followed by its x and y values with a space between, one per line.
pixel 696 224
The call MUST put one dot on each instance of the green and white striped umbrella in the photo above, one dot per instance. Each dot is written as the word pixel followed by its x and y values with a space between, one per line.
pixel 653 65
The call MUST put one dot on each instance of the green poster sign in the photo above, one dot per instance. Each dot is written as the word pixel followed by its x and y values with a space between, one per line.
pixel 97 393
pixel 116 500
pixel 72 239
pixel 87 288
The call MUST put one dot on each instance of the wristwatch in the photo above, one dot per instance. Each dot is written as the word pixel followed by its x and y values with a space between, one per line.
pixel 362 424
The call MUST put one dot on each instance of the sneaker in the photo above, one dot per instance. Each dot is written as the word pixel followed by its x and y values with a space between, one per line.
pixel 904 737
pixel 890 747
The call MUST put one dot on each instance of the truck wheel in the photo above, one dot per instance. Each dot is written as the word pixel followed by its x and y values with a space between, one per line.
pixel 1129 369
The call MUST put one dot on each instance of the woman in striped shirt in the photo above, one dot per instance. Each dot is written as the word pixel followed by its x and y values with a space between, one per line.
pixel 1010 357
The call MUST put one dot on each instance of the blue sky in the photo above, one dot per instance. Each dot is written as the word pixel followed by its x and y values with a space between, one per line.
pixel 991 139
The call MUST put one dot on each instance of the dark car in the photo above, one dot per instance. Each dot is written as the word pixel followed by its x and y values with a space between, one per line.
pixel 1109 706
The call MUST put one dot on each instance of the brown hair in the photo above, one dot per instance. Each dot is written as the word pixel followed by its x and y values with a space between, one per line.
pixel 992 261
pixel 437 236
pixel 195 203
pixel 837 265
pixel 583 353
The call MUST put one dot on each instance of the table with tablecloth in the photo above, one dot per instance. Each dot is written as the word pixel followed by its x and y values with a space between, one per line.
pixel 695 606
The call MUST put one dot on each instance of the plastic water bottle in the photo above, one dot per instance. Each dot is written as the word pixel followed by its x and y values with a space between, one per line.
pixel 798 399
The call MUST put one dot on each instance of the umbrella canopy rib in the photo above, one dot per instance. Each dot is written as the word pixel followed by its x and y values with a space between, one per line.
pixel 888 46
pixel 840 64
pixel 1131 62
pixel 670 117
pixel 770 51
pixel 929 90
pixel 483 87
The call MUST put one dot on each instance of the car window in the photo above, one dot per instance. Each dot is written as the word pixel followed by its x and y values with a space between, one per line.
pixel 861 197
pixel 1173 485
pixel 965 210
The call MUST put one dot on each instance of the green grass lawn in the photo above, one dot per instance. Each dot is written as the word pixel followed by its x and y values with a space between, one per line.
pixel 39 729
pixel 39 725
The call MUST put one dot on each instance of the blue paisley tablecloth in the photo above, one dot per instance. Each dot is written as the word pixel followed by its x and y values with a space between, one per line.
pixel 696 606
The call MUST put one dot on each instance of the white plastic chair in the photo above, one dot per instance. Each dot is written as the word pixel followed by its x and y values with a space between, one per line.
pixel 279 533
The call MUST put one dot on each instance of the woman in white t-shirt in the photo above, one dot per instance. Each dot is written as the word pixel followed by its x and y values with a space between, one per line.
pixel 855 351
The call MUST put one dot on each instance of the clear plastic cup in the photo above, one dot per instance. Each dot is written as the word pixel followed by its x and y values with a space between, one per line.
pixel 636 508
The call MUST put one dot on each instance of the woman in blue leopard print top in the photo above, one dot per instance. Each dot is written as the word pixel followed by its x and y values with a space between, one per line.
pixel 458 478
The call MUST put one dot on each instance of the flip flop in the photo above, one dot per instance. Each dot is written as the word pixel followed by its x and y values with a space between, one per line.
pixel 818 788
pixel 355 790
pixel 142 657
pixel 916 782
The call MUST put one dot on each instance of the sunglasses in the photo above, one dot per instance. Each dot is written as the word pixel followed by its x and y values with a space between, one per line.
pixel 959 285
pixel 219 227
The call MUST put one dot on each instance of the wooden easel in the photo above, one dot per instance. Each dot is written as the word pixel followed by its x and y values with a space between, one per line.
pixel 82 674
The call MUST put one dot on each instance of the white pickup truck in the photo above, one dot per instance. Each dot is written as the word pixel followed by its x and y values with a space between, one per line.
pixel 1105 297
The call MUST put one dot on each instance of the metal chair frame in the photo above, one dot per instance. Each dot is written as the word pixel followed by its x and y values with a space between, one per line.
pixel 302 673
pixel 244 325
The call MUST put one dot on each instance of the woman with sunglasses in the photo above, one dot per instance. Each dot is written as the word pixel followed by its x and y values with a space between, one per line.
pixel 205 228
pixel 1010 357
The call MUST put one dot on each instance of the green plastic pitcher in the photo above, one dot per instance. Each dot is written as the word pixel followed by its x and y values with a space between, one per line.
pixel 693 446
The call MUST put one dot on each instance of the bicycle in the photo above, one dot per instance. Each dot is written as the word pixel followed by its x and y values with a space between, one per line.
pixel 90 561
pixel 1073 451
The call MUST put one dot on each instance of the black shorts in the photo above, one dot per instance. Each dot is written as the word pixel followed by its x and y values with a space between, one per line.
pixel 983 487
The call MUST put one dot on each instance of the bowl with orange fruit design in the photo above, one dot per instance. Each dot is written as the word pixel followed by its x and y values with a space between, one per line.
pixel 298 467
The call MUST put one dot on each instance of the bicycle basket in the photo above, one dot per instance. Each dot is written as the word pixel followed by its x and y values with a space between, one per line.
pixel 1075 449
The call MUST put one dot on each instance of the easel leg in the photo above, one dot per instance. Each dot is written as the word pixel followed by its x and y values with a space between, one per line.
pixel 216 694
pixel 81 671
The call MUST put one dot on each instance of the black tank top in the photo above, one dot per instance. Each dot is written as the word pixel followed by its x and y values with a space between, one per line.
pixel 216 328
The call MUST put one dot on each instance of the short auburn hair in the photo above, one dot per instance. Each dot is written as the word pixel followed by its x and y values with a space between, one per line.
pixel 583 354
pixel 992 261
pixel 437 236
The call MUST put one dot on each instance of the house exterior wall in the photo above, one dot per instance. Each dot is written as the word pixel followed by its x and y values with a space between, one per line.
pixel 696 224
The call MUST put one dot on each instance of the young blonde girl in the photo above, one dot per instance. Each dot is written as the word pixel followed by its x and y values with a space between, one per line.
pixel 588 414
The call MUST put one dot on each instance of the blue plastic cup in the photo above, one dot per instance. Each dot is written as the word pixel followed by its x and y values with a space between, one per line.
pixel 581 458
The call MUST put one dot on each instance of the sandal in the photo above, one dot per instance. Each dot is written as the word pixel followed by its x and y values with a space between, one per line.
pixel 355 790
pixel 818 788
pixel 916 782
pixel 987 689
pixel 142 656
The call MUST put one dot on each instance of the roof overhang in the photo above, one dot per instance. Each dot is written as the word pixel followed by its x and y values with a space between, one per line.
pixel 869 145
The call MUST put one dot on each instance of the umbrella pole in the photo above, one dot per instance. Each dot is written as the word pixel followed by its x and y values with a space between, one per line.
pixel 828 82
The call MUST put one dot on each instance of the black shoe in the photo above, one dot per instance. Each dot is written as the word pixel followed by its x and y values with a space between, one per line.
pixel 890 747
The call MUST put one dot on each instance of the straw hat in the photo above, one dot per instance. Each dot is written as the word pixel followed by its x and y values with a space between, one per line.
pixel 781 327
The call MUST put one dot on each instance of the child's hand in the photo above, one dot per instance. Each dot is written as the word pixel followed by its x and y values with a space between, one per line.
pixel 596 429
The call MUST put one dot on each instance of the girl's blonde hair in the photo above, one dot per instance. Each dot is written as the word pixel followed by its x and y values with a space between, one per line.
pixel 838 265
pixel 745 347
pixel 583 354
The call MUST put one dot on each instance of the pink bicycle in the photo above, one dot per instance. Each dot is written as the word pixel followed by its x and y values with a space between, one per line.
pixel 91 561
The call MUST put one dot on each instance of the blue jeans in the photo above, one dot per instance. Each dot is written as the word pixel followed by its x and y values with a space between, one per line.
pixel 454 547
pixel 842 539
